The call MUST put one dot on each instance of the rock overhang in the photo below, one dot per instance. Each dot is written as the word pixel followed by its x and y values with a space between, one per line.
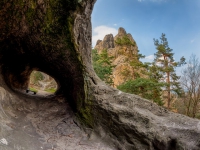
pixel 45 43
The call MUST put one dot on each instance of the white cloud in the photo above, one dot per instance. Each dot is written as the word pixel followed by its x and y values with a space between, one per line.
pixel 99 33
pixel 115 24
pixel 150 57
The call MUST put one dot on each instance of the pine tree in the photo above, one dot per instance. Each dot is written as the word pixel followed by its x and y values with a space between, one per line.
pixel 103 67
pixel 146 84
pixel 145 88
pixel 166 66
pixel 139 81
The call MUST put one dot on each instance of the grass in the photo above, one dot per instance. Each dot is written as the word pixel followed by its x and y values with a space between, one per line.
pixel 33 89
pixel 52 90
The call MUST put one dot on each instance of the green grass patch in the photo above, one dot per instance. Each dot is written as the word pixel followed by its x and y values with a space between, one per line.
pixel 52 90
pixel 33 89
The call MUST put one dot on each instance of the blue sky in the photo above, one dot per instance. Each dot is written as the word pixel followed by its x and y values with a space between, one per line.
pixel 148 19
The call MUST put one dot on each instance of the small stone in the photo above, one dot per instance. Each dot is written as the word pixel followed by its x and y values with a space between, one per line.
pixel 3 141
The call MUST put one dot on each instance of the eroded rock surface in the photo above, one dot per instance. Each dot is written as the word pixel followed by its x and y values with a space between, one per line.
pixel 55 38
pixel 41 123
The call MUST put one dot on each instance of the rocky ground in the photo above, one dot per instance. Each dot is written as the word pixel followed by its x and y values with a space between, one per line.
pixel 41 123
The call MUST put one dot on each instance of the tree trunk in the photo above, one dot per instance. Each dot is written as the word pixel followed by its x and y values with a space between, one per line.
pixel 168 90
pixel 188 106
pixel 55 37
pixel 195 105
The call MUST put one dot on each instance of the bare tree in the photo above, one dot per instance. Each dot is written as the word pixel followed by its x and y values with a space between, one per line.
pixel 190 82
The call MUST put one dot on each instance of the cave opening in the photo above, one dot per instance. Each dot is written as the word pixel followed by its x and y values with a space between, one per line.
pixel 41 83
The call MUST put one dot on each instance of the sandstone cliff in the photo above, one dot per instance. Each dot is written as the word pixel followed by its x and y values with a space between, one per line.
pixel 122 54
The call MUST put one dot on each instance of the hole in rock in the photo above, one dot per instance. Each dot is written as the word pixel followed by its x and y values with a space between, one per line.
pixel 41 83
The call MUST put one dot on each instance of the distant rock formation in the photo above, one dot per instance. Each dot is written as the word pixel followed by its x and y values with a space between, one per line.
pixel 107 43
pixel 122 54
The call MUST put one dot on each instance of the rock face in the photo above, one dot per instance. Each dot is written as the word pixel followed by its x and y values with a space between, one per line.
pixel 107 43
pixel 122 55
pixel 58 35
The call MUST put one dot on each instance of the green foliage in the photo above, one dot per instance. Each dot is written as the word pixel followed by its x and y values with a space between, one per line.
pixel 36 76
pixel 146 88
pixel 153 72
pixel 137 66
pixel 144 84
pixel 165 65
pixel 52 90
pixel 95 56
pixel 125 40
pixel 103 67
pixel 164 56
pixel 33 89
